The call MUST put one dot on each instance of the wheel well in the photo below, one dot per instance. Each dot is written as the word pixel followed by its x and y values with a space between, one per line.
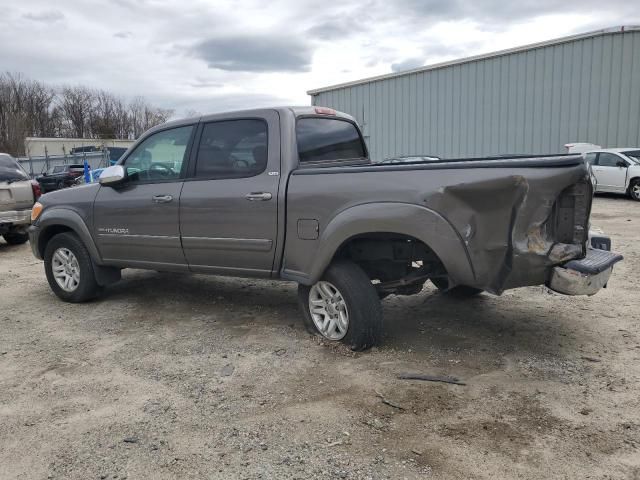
pixel 48 234
pixel 392 258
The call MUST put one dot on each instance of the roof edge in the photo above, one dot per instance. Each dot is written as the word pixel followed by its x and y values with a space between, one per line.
pixel 482 56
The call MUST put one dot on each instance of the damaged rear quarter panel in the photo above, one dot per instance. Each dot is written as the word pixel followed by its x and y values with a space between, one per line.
pixel 508 223
pixel 503 216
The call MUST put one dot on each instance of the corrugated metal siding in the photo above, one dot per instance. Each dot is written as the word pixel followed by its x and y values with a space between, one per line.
pixel 535 101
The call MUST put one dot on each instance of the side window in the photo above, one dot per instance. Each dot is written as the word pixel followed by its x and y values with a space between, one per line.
pixel 232 149
pixel 160 157
pixel 326 139
pixel 590 158
pixel 608 160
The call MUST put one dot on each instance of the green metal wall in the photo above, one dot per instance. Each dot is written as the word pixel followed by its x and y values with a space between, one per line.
pixel 533 101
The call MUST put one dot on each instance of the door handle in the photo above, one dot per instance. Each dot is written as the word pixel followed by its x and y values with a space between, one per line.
pixel 258 196
pixel 162 198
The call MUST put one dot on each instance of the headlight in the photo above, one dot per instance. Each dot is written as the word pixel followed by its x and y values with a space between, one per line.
pixel 36 210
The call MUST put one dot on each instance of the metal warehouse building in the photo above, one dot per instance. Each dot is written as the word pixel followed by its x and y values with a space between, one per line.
pixel 532 99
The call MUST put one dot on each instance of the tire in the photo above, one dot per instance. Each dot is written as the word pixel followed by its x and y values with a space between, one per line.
pixel 85 286
pixel 60 185
pixel 634 190
pixel 354 295
pixel 460 291
pixel 15 238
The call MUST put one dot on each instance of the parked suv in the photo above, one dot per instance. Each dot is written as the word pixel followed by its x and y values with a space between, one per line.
pixel 616 170
pixel 17 195
pixel 60 176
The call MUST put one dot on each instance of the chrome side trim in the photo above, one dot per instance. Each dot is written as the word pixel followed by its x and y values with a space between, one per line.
pixel 139 240
pixel 246 244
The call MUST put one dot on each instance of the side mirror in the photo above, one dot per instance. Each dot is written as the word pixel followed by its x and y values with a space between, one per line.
pixel 622 163
pixel 113 175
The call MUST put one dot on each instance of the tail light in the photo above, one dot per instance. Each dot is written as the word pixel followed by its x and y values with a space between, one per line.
pixel 572 211
pixel 37 191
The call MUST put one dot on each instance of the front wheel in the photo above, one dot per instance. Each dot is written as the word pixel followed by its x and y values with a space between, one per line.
pixel 343 306
pixel 634 190
pixel 69 269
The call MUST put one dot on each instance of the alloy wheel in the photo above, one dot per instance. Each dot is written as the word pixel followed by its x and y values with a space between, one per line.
pixel 328 310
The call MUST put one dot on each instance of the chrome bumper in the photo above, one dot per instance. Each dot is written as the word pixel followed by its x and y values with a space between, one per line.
pixel 586 276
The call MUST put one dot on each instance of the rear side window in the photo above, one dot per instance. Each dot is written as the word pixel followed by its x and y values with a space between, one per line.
pixel 232 149
pixel 590 157
pixel 326 139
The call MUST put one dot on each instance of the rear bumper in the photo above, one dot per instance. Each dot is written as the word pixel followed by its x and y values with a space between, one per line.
pixel 16 217
pixel 586 276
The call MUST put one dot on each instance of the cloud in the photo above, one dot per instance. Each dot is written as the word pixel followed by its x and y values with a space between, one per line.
pixel 123 34
pixel 336 27
pixel 44 16
pixel 489 12
pixel 408 64
pixel 255 53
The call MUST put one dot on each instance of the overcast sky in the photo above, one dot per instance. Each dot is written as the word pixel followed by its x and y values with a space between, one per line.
pixel 214 55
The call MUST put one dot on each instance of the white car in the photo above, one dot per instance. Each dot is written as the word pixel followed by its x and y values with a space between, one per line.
pixel 616 170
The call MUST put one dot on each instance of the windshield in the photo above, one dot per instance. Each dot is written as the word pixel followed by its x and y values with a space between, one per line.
pixel 633 155
pixel 10 171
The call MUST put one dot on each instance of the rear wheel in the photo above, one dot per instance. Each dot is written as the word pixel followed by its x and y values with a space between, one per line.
pixel 60 185
pixel 343 307
pixel 460 291
pixel 69 269
pixel 15 238
pixel 634 190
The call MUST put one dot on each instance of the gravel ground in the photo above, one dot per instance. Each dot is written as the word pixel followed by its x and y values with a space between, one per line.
pixel 179 376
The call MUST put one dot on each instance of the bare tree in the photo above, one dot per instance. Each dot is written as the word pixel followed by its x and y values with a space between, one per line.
pixel 76 104
pixel 25 110
pixel 32 108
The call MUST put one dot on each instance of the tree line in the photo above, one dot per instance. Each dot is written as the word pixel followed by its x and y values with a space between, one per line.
pixel 30 108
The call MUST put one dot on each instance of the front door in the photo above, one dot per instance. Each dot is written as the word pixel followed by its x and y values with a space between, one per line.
pixel 609 175
pixel 228 206
pixel 137 223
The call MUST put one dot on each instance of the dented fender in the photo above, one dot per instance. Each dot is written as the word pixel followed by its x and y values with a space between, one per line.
pixel 416 221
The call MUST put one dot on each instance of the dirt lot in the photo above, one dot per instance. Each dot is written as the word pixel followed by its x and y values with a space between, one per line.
pixel 202 377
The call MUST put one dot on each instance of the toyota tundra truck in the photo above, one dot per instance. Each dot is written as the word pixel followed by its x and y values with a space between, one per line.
pixel 290 194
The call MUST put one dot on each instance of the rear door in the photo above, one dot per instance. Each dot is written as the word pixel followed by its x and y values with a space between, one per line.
pixel 228 206
pixel 136 223
pixel 609 175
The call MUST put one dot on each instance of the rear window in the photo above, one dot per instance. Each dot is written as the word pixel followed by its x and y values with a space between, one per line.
pixel 326 139
pixel 6 161
pixel 10 170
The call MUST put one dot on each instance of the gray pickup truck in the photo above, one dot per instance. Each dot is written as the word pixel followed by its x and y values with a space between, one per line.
pixel 290 194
